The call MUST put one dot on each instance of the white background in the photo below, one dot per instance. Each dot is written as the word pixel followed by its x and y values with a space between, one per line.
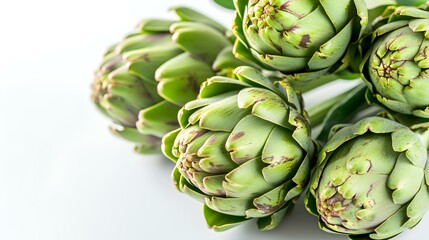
pixel 63 176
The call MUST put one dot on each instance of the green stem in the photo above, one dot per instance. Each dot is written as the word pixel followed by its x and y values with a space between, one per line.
pixel 347 106
pixel 411 2
pixel 318 112
pixel 307 86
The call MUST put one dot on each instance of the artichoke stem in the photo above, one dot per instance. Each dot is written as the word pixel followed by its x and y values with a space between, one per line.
pixel 306 86
pixel 318 112
pixel 410 2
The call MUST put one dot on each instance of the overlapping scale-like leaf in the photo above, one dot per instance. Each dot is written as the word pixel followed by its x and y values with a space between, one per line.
pixel 370 180
pixel 144 80
pixel 396 66
pixel 244 148
pixel 283 36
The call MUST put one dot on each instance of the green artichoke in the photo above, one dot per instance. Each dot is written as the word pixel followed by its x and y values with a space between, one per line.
pixel 302 39
pixel 396 67
pixel 244 148
pixel 144 80
pixel 121 94
pixel 371 180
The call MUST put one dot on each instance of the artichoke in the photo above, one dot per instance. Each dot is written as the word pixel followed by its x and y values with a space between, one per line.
pixel 396 67
pixel 371 180
pixel 144 80
pixel 302 39
pixel 121 94
pixel 244 149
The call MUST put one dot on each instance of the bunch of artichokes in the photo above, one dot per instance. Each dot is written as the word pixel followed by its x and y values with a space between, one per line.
pixel 228 110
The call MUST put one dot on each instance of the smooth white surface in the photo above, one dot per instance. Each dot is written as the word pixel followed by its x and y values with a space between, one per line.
pixel 63 176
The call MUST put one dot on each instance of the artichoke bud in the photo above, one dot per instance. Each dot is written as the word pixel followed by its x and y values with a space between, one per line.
pixel 396 67
pixel 370 180
pixel 108 87
pixel 238 128
pixel 152 58
pixel 283 36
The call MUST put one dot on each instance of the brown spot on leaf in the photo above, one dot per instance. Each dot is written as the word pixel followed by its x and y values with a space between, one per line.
pixel 276 46
pixel 241 160
pixel 370 165
pixel 291 29
pixel 192 83
pixel 266 208
pixel 267 56
pixel 157 36
pixel 237 135
pixel 269 159
pixel 145 57
pixel 259 100
pixel 112 64
pixel 220 193
pixel 285 6
pixel 212 140
pixel 304 41
pixel 198 134
pixel 370 189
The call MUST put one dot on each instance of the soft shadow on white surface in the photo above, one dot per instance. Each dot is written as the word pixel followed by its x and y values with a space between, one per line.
pixel 63 176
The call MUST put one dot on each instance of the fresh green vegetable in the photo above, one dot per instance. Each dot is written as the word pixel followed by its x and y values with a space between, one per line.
pixel 144 80
pixel 396 66
pixel 371 180
pixel 303 39
pixel 244 149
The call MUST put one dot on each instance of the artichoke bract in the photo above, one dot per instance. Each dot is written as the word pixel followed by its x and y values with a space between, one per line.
pixel 120 94
pixel 371 180
pixel 244 148
pixel 396 67
pixel 144 80
pixel 228 4
pixel 411 2
pixel 302 39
